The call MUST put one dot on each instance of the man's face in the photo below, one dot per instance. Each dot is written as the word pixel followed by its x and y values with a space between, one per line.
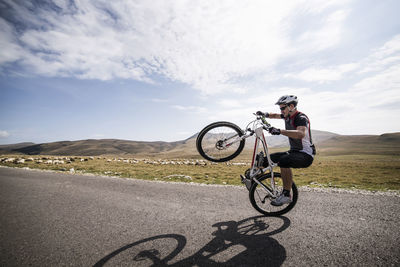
pixel 284 109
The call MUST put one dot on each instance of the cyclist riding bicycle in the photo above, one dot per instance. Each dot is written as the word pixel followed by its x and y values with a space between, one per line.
pixel 302 150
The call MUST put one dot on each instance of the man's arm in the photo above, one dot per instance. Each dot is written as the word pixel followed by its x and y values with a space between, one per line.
pixel 274 116
pixel 299 133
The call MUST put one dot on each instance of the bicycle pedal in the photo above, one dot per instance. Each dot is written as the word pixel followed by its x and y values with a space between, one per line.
pixel 246 181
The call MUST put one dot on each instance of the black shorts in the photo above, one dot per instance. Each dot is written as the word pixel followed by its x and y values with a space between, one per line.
pixel 291 159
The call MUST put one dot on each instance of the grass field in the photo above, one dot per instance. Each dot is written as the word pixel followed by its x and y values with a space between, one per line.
pixel 370 172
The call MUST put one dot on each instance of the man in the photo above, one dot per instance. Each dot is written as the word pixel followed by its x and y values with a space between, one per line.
pixel 302 150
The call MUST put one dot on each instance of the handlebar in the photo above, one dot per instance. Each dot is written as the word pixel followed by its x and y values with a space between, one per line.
pixel 259 120
pixel 266 124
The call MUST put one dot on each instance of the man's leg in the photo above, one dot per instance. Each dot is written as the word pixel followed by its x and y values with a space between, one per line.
pixel 284 163
pixel 294 160
pixel 287 178
pixel 275 157
pixel 284 197
pixel 284 160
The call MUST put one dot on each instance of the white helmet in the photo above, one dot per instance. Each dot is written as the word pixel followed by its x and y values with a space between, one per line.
pixel 287 100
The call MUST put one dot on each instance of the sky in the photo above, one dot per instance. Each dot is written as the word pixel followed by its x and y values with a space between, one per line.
pixel 162 70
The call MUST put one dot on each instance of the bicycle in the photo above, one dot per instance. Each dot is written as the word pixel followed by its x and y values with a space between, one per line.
pixel 223 141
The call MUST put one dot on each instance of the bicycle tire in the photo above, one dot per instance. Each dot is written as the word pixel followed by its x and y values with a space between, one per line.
pixel 210 139
pixel 263 205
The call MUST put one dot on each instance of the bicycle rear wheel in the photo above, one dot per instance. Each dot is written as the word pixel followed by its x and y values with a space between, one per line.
pixel 220 141
pixel 261 200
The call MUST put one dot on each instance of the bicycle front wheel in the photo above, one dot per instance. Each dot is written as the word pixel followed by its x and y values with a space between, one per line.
pixel 220 141
pixel 153 251
pixel 261 199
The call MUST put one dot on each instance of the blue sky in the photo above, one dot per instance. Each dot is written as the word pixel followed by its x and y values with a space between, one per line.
pixel 162 70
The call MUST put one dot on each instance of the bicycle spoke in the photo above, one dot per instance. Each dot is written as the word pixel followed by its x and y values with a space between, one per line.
pixel 261 198
pixel 214 144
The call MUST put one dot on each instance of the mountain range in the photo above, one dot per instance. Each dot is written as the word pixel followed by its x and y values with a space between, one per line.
pixel 326 142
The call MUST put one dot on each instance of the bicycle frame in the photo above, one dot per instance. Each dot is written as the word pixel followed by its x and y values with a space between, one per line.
pixel 255 168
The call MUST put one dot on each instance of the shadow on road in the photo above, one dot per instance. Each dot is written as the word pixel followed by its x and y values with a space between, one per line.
pixel 244 243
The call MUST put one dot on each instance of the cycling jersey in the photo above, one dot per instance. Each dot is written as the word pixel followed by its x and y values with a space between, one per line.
pixel 305 144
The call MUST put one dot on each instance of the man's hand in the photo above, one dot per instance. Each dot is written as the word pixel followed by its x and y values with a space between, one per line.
pixel 260 113
pixel 274 131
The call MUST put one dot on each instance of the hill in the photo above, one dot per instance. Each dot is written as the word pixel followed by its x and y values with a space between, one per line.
pixel 15 146
pixel 388 144
pixel 327 144
pixel 93 147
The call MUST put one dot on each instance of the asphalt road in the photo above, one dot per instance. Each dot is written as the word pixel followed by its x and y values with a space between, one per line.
pixel 52 219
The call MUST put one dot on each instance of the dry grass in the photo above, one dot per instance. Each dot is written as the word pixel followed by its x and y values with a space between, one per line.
pixel 371 172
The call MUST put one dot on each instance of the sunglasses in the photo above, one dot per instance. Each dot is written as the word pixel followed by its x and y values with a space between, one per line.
pixel 283 108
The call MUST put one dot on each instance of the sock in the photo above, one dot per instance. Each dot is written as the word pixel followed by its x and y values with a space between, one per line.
pixel 286 193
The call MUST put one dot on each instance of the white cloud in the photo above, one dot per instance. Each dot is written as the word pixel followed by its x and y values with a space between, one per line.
pixel 328 34
pixel 380 89
pixel 383 57
pixel 389 48
pixel 4 134
pixel 324 74
pixel 195 109
pixel 205 44
pixel 368 106
pixel 380 60
pixel 10 51
pixel 230 103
